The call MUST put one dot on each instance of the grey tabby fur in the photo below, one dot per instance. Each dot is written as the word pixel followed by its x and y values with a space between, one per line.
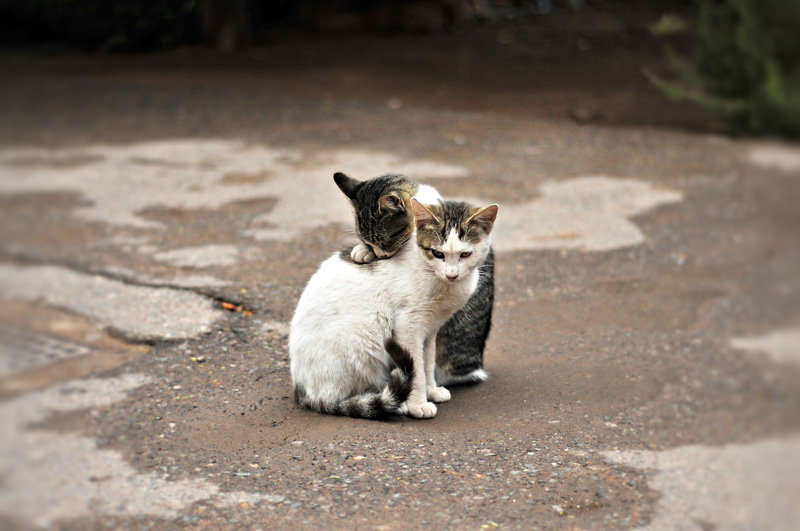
pixel 384 220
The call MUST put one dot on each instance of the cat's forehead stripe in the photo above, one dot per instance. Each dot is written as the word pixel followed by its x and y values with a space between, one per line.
pixel 456 216
pixel 453 242
pixel 379 186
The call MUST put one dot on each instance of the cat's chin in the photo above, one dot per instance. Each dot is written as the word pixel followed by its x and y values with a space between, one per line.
pixel 380 253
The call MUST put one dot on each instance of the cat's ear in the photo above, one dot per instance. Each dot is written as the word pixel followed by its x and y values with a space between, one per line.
pixel 348 185
pixel 391 203
pixel 422 215
pixel 484 218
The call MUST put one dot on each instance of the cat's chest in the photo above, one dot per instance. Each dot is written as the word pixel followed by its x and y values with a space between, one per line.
pixel 416 286
pixel 435 297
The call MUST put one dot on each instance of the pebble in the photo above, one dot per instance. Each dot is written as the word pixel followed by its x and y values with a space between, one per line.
pixel 274 498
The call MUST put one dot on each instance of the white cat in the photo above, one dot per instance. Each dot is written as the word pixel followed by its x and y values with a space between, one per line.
pixel 352 316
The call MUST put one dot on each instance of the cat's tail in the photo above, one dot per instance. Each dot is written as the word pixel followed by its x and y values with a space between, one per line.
pixel 371 405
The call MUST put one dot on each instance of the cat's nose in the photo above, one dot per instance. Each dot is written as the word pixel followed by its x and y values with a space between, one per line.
pixel 451 278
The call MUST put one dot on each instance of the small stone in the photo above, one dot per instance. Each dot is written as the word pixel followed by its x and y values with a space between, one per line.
pixel 558 509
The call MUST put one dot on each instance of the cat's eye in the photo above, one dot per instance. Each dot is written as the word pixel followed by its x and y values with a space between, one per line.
pixel 466 254
pixel 437 254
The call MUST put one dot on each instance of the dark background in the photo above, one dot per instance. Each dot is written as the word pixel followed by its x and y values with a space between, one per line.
pixel 731 64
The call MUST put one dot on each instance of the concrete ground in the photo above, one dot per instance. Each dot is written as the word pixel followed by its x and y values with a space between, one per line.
pixel 161 214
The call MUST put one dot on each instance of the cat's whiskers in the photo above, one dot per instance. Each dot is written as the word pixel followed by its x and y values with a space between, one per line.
pixel 379 220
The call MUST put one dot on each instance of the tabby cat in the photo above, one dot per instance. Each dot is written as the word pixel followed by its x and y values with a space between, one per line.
pixel 355 321
pixel 384 223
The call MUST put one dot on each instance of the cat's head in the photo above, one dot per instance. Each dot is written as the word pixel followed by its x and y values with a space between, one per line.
pixel 453 236
pixel 382 210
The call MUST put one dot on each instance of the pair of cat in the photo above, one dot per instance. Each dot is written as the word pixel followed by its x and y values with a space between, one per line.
pixel 371 322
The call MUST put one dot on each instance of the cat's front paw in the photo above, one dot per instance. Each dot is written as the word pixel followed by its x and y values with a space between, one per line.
pixel 423 410
pixel 362 254
pixel 438 395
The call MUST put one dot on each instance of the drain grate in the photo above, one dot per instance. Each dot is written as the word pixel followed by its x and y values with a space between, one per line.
pixel 22 350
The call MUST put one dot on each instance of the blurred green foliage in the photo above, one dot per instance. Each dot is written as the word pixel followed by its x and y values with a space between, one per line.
pixel 747 65
pixel 118 25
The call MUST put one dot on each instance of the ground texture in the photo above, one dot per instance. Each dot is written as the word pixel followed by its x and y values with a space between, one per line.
pixel 160 215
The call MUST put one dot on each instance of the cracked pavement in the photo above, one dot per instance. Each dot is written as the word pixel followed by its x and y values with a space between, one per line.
pixel 159 221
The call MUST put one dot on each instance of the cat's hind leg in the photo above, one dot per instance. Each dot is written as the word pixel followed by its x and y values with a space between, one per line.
pixel 435 393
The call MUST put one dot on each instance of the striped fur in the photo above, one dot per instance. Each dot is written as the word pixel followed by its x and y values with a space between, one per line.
pixel 340 361
pixel 375 404
pixel 382 215
pixel 462 340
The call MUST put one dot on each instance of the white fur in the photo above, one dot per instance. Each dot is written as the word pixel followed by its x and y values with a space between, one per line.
pixel 478 375
pixel 362 253
pixel 347 311
pixel 427 195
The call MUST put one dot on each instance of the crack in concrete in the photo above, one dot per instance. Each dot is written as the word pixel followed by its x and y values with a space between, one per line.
pixel 140 314
pixel 120 274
